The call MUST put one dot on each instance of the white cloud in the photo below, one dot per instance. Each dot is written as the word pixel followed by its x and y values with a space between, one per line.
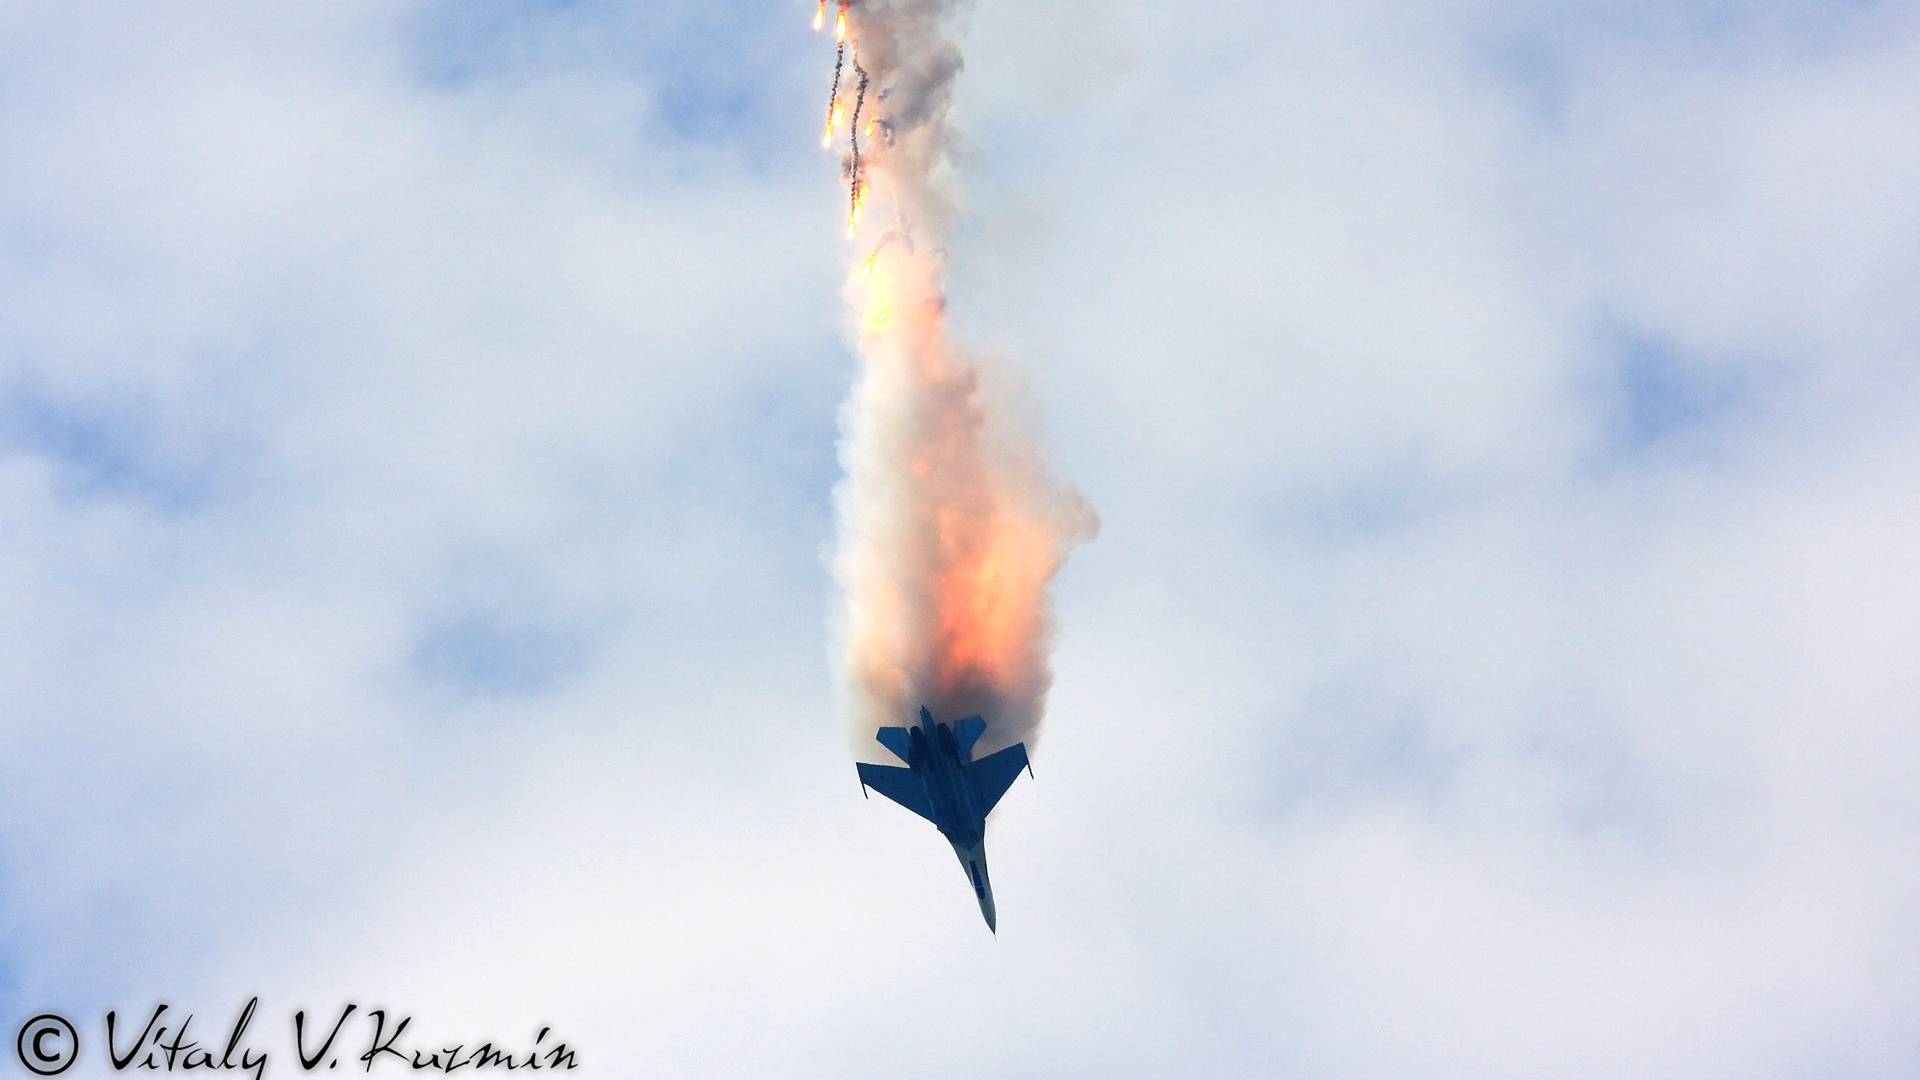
pixel 1423 708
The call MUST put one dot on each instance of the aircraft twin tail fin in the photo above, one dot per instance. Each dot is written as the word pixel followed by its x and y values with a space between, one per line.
pixel 967 732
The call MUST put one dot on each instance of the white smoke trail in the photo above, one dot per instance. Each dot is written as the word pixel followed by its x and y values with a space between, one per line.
pixel 950 527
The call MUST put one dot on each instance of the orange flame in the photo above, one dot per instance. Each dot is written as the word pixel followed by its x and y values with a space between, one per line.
pixel 953 529
pixel 819 15
pixel 988 597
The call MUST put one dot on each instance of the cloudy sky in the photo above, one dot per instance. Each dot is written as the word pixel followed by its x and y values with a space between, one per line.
pixel 417 443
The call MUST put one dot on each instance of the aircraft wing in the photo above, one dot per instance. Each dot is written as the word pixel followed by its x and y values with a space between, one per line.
pixel 994 774
pixel 898 784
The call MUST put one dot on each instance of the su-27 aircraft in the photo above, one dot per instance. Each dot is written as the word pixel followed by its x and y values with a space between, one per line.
pixel 943 784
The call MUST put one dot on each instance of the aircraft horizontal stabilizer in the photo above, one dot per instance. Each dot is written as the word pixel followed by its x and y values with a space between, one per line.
pixel 898 740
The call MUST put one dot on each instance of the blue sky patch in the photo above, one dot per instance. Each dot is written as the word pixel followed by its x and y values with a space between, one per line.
pixel 115 450
pixel 1654 396
pixel 734 75
pixel 487 654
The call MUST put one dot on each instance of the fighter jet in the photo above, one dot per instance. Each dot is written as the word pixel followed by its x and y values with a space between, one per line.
pixel 943 784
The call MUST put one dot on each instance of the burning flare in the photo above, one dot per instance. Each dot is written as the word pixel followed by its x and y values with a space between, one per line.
pixel 950 527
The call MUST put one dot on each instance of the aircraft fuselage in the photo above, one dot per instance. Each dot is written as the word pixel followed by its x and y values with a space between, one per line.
pixel 943 784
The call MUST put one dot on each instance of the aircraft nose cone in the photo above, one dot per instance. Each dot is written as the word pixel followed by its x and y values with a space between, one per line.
pixel 974 858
